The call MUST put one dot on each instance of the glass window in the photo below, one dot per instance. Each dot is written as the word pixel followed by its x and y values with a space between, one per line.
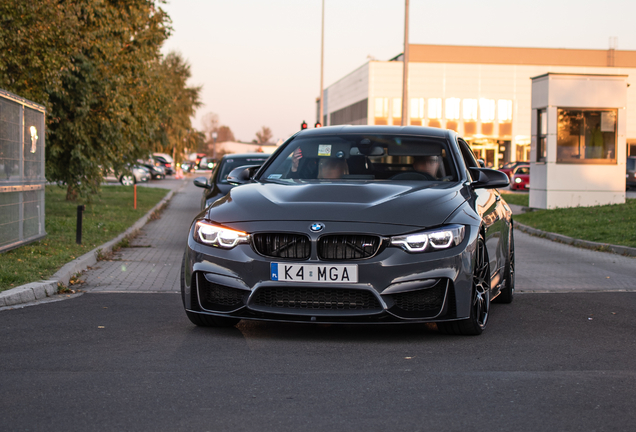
pixel 504 110
pixel 487 109
pixel 470 109
pixel 586 135
pixel 435 108
pixel 368 158
pixel 542 135
pixel 452 108
pixel 397 108
pixel 381 107
pixel 417 108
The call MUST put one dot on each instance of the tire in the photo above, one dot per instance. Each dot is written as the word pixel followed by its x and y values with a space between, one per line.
pixel 475 324
pixel 200 319
pixel 508 292
pixel 127 180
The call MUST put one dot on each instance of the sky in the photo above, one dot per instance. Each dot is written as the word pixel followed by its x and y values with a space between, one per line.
pixel 258 61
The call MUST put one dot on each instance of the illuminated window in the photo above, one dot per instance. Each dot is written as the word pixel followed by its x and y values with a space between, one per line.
pixel 504 110
pixel 487 110
pixel 586 136
pixel 470 109
pixel 397 108
pixel 452 108
pixel 435 108
pixel 381 107
pixel 417 108
pixel 542 128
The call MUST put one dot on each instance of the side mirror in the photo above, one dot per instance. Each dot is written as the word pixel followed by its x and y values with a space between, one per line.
pixel 487 178
pixel 242 174
pixel 481 163
pixel 201 182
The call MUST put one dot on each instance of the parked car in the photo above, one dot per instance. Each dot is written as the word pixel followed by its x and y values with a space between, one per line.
pixel 156 170
pixel 217 185
pixel 165 162
pixel 136 174
pixel 188 166
pixel 630 176
pixel 520 178
pixel 340 226
pixel 510 166
pixel 207 163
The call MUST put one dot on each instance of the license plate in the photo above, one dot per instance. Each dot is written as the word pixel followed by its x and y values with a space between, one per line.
pixel 284 272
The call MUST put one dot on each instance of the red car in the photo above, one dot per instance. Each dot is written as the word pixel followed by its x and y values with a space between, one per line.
pixel 520 179
pixel 510 167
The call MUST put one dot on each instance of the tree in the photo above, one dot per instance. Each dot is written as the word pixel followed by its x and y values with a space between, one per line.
pixel 96 65
pixel 264 135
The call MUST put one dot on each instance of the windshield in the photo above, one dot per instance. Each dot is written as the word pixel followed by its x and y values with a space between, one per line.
pixel 363 157
pixel 227 165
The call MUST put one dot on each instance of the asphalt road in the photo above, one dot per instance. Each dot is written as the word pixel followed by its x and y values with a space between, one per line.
pixel 123 356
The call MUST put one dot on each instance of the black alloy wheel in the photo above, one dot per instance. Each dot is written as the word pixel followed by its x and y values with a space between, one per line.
pixel 508 291
pixel 480 303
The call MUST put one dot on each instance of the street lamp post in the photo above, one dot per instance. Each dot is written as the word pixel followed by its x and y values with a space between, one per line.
pixel 405 73
pixel 322 63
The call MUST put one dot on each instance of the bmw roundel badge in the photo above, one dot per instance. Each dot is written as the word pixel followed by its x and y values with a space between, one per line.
pixel 317 226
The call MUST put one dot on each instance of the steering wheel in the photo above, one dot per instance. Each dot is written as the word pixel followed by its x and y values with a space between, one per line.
pixel 413 175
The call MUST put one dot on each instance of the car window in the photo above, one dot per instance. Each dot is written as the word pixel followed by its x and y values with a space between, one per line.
pixel 228 164
pixel 631 164
pixel 522 170
pixel 354 157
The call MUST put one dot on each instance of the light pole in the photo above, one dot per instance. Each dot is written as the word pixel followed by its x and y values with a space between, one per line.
pixel 405 73
pixel 322 63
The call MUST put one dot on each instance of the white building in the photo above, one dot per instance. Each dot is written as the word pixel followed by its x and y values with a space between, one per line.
pixel 484 93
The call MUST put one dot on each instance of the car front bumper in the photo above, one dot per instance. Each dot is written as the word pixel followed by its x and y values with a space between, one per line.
pixel 393 286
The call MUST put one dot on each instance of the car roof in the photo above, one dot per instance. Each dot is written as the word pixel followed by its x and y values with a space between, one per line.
pixel 246 155
pixel 375 129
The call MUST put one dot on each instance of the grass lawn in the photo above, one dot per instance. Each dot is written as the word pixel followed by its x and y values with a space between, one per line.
pixel 613 224
pixel 517 198
pixel 107 216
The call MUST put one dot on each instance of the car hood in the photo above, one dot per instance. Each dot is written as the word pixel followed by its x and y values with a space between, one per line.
pixel 403 203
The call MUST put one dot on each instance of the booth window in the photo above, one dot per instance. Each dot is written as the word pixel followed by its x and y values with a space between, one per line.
pixel 586 136
pixel 542 135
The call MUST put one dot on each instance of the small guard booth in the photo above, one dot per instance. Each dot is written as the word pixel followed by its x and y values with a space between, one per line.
pixel 578 147
pixel 21 171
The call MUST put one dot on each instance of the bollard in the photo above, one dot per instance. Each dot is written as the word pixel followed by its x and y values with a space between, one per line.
pixel 135 199
pixel 78 233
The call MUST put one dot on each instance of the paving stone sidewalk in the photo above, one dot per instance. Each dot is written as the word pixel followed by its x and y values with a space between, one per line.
pixel 153 262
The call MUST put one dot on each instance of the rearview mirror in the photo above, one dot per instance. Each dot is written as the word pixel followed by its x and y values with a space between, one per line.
pixel 201 182
pixel 242 174
pixel 486 178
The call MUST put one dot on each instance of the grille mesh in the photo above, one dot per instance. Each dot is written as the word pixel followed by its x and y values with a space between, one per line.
pixel 282 245
pixel 337 299
pixel 347 247
pixel 219 297
pixel 426 300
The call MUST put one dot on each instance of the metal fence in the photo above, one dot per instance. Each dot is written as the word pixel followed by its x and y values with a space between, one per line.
pixel 21 171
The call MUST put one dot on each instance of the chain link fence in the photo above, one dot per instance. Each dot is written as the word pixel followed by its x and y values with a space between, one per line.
pixel 21 171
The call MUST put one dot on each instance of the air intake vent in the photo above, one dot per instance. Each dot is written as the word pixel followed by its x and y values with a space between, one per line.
pixel 330 299
pixel 283 245
pixel 220 298
pixel 347 247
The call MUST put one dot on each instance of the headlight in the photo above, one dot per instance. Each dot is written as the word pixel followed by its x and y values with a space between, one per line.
pixel 214 235
pixel 517 180
pixel 442 238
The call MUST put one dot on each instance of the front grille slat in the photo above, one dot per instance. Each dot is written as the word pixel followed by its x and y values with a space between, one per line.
pixel 328 299
pixel 347 247
pixel 282 245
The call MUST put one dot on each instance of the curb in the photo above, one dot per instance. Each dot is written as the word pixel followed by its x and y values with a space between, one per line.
pixel 34 291
pixel 602 247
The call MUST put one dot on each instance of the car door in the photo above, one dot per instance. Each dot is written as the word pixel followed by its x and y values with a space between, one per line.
pixel 489 206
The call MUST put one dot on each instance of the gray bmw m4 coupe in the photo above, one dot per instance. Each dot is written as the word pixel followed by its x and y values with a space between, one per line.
pixel 355 224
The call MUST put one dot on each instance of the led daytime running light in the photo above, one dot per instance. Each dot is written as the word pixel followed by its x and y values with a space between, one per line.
pixel 214 235
pixel 445 238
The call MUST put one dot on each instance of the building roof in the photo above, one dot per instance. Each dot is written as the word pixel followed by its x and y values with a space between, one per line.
pixel 521 56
